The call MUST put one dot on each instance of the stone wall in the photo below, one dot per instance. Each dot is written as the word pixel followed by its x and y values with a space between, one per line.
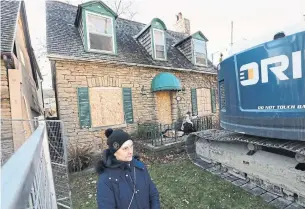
pixel 70 75
pixel 7 145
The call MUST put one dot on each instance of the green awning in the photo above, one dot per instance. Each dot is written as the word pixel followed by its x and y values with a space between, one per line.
pixel 165 82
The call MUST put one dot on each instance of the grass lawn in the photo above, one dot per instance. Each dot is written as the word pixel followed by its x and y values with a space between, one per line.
pixel 181 185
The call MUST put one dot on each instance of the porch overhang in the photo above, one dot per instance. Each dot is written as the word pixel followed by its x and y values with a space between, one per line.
pixel 165 82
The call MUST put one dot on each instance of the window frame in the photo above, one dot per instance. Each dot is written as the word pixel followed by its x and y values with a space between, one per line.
pixel 155 49
pixel 194 52
pixel 87 13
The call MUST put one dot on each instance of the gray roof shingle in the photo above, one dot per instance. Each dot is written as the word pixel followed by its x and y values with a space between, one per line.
pixel 63 40
pixel 9 13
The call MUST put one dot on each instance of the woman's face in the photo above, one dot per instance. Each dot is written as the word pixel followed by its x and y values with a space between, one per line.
pixel 125 152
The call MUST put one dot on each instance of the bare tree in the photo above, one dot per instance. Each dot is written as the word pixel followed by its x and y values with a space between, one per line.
pixel 123 8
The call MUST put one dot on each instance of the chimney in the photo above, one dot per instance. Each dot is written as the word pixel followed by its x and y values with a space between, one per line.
pixel 182 24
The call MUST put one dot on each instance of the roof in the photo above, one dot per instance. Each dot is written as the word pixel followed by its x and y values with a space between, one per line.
pixel 9 14
pixel 165 81
pixel 64 41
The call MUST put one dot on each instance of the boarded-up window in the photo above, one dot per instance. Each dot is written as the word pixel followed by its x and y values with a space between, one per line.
pixel 106 104
pixel 204 101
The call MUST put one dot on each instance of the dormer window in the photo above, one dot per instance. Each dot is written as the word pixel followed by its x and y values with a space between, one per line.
pixel 159 44
pixel 194 48
pixel 100 32
pixel 96 25
pixel 153 39
pixel 200 52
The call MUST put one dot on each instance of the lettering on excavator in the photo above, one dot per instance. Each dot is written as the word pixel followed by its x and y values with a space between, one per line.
pixel 250 75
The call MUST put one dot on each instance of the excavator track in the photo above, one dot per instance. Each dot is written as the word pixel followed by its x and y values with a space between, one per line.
pixel 223 135
pixel 241 159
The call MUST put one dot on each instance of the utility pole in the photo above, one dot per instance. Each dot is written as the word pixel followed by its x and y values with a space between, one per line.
pixel 231 33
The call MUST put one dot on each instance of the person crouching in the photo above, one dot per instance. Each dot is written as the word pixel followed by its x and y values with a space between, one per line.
pixel 124 181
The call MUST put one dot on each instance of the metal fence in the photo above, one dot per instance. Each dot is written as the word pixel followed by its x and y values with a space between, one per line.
pixel 26 178
pixel 159 134
pixel 18 134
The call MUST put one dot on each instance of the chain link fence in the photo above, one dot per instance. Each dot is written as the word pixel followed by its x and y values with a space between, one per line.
pixel 59 162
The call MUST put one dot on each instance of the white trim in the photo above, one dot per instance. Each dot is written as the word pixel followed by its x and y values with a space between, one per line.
pixel 88 37
pixel 155 51
pixel 53 57
pixel 194 53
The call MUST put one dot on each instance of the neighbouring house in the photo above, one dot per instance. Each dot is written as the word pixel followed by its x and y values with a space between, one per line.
pixel 21 91
pixel 49 103
pixel 112 72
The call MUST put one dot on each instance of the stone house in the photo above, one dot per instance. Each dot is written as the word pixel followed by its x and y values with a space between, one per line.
pixel 112 72
pixel 21 89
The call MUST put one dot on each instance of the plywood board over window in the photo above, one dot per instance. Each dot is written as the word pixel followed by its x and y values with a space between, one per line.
pixel 106 105
pixel 164 107
pixel 204 101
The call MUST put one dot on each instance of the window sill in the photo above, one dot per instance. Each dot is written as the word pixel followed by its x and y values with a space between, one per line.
pixel 201 65
pixel 159 59
pixel 101 52
pixel 105 127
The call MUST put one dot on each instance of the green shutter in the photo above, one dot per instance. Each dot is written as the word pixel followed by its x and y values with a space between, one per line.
pixel 127 99
pixel 194 101
pixel 213 100
pixel 84 107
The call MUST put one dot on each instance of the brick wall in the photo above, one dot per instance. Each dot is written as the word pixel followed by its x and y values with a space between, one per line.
pixel 70 75
pixel 7 145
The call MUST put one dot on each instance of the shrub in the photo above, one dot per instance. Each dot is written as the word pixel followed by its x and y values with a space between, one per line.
pixel 79 158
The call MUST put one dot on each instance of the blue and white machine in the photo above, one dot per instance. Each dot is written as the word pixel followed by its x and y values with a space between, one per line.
pixel 262 89
pixel 262 115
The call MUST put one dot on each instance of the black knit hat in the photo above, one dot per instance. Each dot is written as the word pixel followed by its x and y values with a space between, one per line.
pixel 117 139
pixel 108 132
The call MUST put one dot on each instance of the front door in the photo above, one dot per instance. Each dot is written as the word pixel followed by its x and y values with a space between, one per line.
pixel 164 107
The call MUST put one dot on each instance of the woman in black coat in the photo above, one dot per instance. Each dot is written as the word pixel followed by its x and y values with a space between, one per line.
pixel 124 182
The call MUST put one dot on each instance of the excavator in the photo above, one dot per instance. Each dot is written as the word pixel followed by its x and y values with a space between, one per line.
pixel 261 97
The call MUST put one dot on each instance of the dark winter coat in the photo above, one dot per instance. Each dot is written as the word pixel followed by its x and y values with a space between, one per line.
pixel 122 185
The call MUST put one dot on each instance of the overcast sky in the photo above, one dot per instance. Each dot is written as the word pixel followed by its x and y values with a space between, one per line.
pixel 251 18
